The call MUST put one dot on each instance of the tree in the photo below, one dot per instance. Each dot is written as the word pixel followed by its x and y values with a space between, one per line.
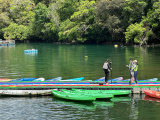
pixel 109 18
pixel 46 22
pixel 75 28
pixel 16 32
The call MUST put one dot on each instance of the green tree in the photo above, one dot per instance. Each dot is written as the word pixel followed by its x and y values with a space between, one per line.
pixel 16 32
pixel 75 28
pixel 46 22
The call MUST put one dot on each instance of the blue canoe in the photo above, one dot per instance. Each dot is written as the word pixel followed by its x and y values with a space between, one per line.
pixel 55 79
pixel 60 79
pixel 148 80
pixel 103 79
pixel 24 79
pixel 75 79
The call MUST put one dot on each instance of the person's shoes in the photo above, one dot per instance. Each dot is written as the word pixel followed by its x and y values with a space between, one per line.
pixel 129 82
pixel 107 83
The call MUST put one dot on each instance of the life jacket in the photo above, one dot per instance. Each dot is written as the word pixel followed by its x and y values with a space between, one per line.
pixel 136 69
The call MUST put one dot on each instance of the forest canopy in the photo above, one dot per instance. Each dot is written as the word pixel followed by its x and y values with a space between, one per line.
pixel 82 21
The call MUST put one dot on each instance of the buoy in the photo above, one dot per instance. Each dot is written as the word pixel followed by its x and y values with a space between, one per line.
pixel 115 46
pixel 86 58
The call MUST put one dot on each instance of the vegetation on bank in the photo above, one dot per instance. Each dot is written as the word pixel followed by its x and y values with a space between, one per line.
pixel 90 21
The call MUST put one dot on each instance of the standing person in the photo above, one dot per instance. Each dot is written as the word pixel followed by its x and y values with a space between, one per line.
pixel 135 69
pixel 131 72
pixel 107 69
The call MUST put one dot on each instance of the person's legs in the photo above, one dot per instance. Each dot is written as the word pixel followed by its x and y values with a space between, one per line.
pixel 135 76
pixel 106 75
pixel 132 77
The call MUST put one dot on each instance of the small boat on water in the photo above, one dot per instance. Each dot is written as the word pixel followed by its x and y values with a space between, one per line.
pixel 60 79
pixel 114 92
pixel 94 94
pixel 148 80
pixel 74 97
pixel 23 79
pixel 5 79
pixel 39 79
pixel 152 93
pixel 75 79
pixel 55 79
pixel 113 80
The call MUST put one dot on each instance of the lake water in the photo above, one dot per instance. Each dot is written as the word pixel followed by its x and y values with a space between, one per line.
pixel 49 108
pixel 69 61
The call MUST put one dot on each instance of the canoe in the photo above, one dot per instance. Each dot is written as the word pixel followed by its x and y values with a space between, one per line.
pixel 39 79
pixel 25 92
pixel 76 79
pixel 24 79
pixel 55 79
pixel 114 92
pixel 4 79
pixel 74 97
pixel 94 94
pixel 152 93
pixel 60 79
pixel 115 79
pixel 148 80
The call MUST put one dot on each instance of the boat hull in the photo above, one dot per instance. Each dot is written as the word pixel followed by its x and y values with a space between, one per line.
pixel 73 97
pixel 96 95
pixel 151 93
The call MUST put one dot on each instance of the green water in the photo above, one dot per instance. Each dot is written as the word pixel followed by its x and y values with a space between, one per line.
pixel 69 61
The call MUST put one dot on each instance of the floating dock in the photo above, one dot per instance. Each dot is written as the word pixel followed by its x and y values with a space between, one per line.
pixel 7 42
pixel 31 51
pixel 135 89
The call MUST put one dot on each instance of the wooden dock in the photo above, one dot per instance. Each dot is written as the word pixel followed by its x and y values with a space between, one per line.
pixel 7 42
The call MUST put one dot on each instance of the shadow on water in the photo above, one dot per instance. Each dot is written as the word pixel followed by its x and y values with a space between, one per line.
pixel 81 105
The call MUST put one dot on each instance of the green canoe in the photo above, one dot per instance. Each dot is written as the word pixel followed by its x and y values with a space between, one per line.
pixel 72 96
pixel 90 93
pixel 114 92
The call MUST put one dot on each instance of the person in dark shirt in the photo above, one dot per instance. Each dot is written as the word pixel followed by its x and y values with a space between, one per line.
pixel 107 69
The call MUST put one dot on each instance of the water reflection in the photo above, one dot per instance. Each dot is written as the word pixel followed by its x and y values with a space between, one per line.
pixel 130 107
pixel 72 61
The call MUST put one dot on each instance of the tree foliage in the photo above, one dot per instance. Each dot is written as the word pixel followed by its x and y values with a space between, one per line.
pixel 91 21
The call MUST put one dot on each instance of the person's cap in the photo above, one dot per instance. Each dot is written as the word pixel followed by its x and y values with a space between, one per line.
pixel 135 60
pixel 130 59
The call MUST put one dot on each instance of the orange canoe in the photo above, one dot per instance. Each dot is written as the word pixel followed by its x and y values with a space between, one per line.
pixel 152 93
pixel 5 79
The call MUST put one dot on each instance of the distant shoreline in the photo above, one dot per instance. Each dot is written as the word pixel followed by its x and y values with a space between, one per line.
pixel 78 43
